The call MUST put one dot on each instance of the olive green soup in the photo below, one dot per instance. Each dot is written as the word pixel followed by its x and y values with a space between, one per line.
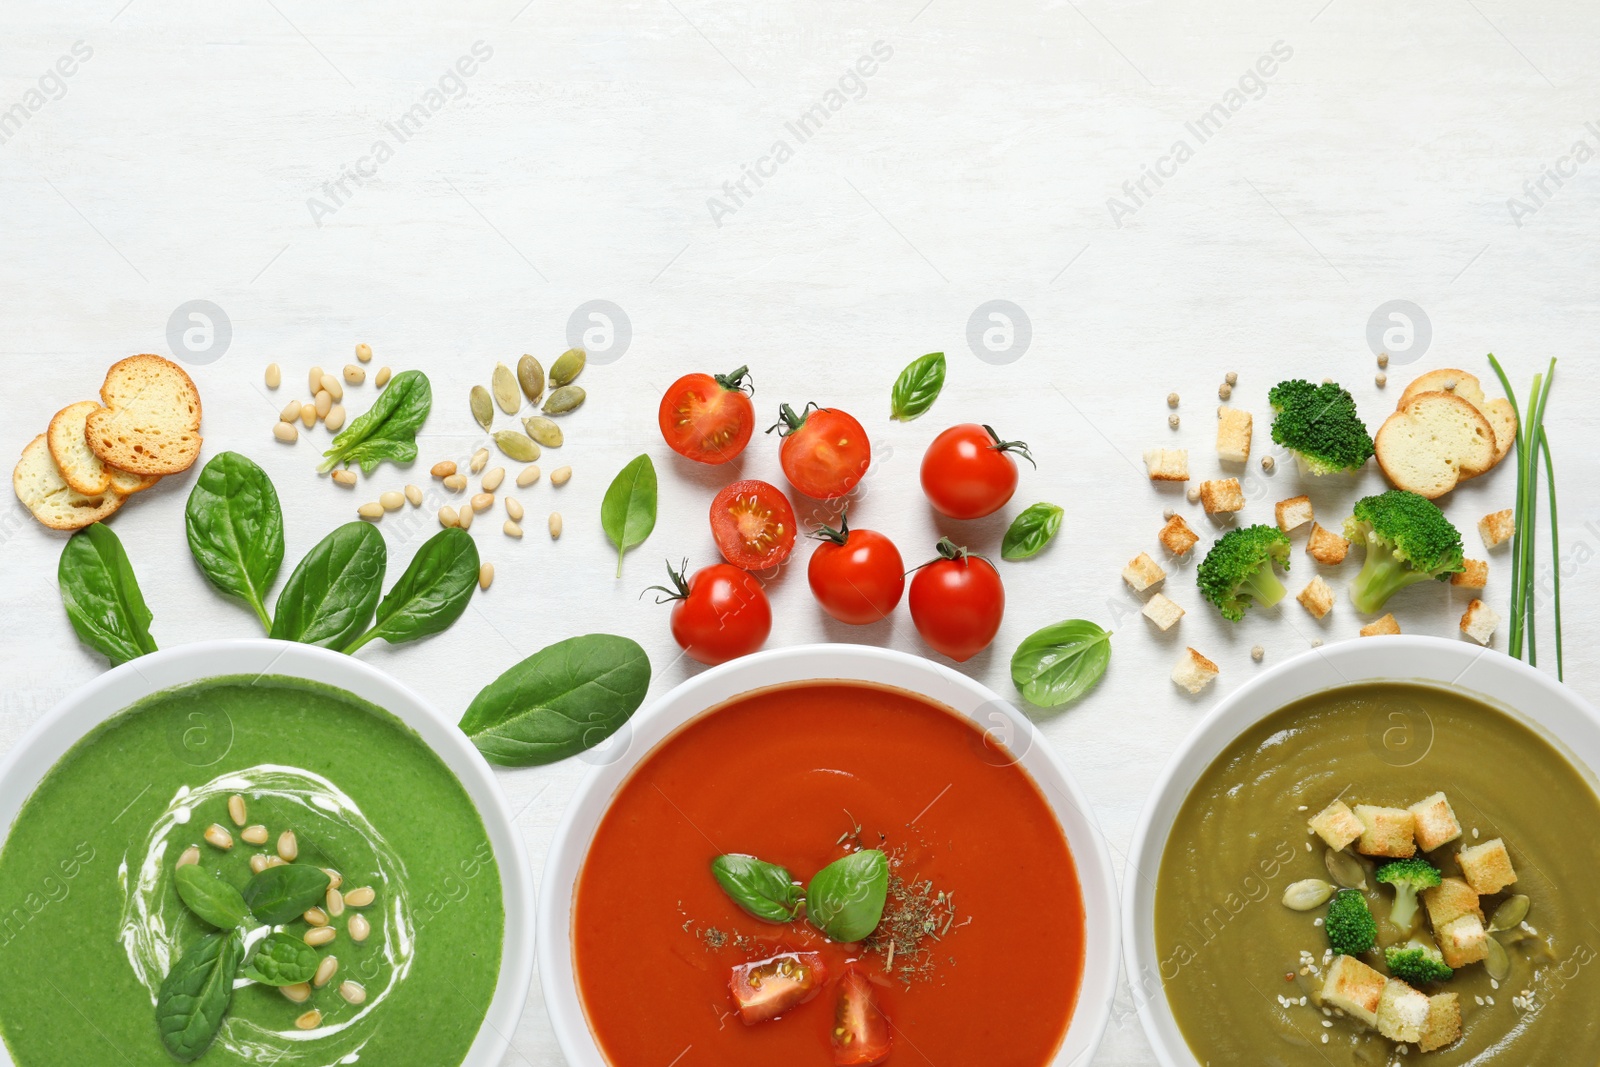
pixel 1232 955
pixel 90 920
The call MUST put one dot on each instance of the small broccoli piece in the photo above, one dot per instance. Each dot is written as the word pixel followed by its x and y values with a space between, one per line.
pixel 1417 963
pixel 1319 424
pixel 1409 877
pixel 1408 540
pixel 1350 926
pixel 1239 567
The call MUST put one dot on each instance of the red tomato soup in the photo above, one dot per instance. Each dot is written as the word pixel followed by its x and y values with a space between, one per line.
pixel 800 776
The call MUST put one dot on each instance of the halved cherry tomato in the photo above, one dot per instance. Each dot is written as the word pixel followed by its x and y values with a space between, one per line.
pixel 767 988
pixel 957 602
pixel 860 1030
pixel 721 612
pixel 753 524
pixel 968 471
pixel 825 452
pixel 856 575
pixel 708 417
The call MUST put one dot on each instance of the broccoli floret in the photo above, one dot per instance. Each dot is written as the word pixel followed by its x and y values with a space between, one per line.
pixel 1409 877
pixel 1350 926
pixel 1417 963
pixel 1408 540
pixel 1239 567
pixel 1319 424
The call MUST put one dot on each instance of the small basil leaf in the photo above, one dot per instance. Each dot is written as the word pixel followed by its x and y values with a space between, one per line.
pixel 283 893
pixel 917 387
pixel 432 593
pixel 628 510
pixel 765 890
pixel 388 429
pixel 282 959
pixel 235 528
pixel 196 993
pixel 102 597
pixel 1058 664
pixel 559 701
pixel 1030 531
pixel 845 899
pixel 209 897
pixel 330 597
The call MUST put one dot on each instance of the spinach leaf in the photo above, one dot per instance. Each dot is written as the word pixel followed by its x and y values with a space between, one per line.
pixel 628 510
pixel 1030 531
pixel 432 593
pixel 559 701
pixel 388 429
pixel 283 893
pixel 282 959
pixel 330 597
pixel 209 897
pixel 845 899
pixel 196 993
pixel 102 597
pixel 762 889
pixel 235 528
pixel 1060 663
pixel 917 387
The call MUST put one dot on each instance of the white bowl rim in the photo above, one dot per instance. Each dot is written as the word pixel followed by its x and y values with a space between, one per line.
pixel 120 687
pixel 847 663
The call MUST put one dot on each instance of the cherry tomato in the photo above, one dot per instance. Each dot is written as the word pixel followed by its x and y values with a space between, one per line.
pixel 708 417
pixel 957 602
pixel 856 575
pixel 968 471
pixel 860 1030
pixel 721 612
pixel 767 988
pixel 825 452
pixel 753 524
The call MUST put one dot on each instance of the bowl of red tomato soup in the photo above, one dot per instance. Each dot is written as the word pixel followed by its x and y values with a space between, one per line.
pixel 828 855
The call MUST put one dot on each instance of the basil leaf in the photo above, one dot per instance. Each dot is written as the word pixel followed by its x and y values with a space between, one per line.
pixel 1059 663
pixel 917 387
pixel 845 899
pixel 330 597
pixel 388 429
pixel 102 597
pixel 235 528
pixel 763 889
pixel 1030 531
pixel 432 593
pixel 282 959
pixel 284 893
pixel 196 993
pixel 209 897
pixel 628 511
pixel 559 701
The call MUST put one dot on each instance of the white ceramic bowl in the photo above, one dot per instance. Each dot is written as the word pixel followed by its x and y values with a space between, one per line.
pixel 68 722
pixel 1533 697
pixel 651 725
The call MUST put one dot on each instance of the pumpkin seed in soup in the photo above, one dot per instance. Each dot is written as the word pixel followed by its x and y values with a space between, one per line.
pixel 1510 914
pixel 543 430
pixel 565 399
pixel 530 375
pixel 568 366
pixel 1346 870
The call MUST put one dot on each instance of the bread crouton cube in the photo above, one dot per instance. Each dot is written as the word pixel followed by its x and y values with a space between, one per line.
pixel 1233 435
pixel 1142 572
pixel 1337 825
pixel 1194 672
pixel 1294 513
pixel 1167 464
pixel 1449 900
pixel 1462 941
pixel 1317 597
pixel 1379 627
pixel 1402 1012
pixel 1436 822
pixel 1177 537
pixel 1389 832
pixel 1221 496
pixel 1480 621
pixel 1474 575
pixel 1162 611
pixel 1354 988
pixel 1444 1023
pixel 1487 867
pixel 1326 547
pixel 1497 528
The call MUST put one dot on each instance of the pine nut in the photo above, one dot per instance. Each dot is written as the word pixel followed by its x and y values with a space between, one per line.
pixel 482 501
pixel 455 482
pixel 392 500
pixel 323 402
pixel 308 415
pixel 359 928
pixel 291 411
pixel 383 377
pixel 443 469
pixel 414 495
pixel 217 837
pixel 299 993
pixel 314 380
pixel 325 971
pixel 528 476
pixel 492 480
pixel 318 936
pixel 360 898
pixel 188 856
pixel 286 433
pixel 335 879
pixel 335 901
pixel 480 460
pixel 353 992
pixel 555 525
pixel 364 352
pixel 331 384
pixel 354 374
pixel 258 863
pixel 486 576
pixel 514 508
pixel 274 375
pixel 254 835
pixel 512 529
pixel 236 810
pixel 561 476
pixel 464 517
pixel 310 1020
pixel 288 846
pixel 447 517
pixel 335 420
pixel 346 478
pixel 373 510
pixel 316 917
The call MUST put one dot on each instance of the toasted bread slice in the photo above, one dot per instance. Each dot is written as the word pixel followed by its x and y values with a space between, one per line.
pixel 38 483
pixel 1433 442
pixel 151 420
pixel 1502 417
pixel 80 468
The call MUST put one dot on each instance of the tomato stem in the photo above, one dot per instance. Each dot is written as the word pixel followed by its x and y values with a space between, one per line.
pixel 788 421
pixel 949 550
pixel 824 532
pixel 735 381
pixel 680 583
pixel 1019 447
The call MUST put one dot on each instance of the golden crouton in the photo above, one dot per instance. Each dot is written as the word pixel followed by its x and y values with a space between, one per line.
pixel 1142 572
pixel 1221 496
pixel 1294 513
pixel 1479 622
pixel 1389 832
pixel 1497 528
pixel 1487 867
pixel 1379 627
pixel 1177 537
pixel 1449 900
pixel 1233 435
pixel 1317 597
pixel 1337 825
pixel 1462 941
pixel 1167 464
pixel 1444 1023
pixel 1354 988
pixel 1402 1012
pixel 1326 547
pixel 1162 611
pixel 1194 672
pixel 1436 822
pixel 1473 575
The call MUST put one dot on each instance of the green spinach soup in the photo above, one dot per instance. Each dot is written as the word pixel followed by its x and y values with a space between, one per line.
pixel 254 871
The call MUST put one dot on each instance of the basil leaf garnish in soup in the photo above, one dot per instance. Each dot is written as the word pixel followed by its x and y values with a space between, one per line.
pixel 282 959
pixel 283 893
pixel 213 900
pixel 845 899
pixel 196 993
pixel 764 890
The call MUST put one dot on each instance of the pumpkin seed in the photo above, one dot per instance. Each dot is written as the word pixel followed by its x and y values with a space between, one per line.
pixel 1307 894
pixel 530 375
pixel 1346 870
pixel 1497 961
pixel 506 393
pixel 565 399
pixel 517 446
pixel 1510 914
pixel 567 366
pixel 482 407
pixel 543 430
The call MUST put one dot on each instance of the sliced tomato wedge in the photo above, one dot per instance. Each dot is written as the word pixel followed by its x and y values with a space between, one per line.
pixel 766 989
pixel 753 524
pixel 860 1029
